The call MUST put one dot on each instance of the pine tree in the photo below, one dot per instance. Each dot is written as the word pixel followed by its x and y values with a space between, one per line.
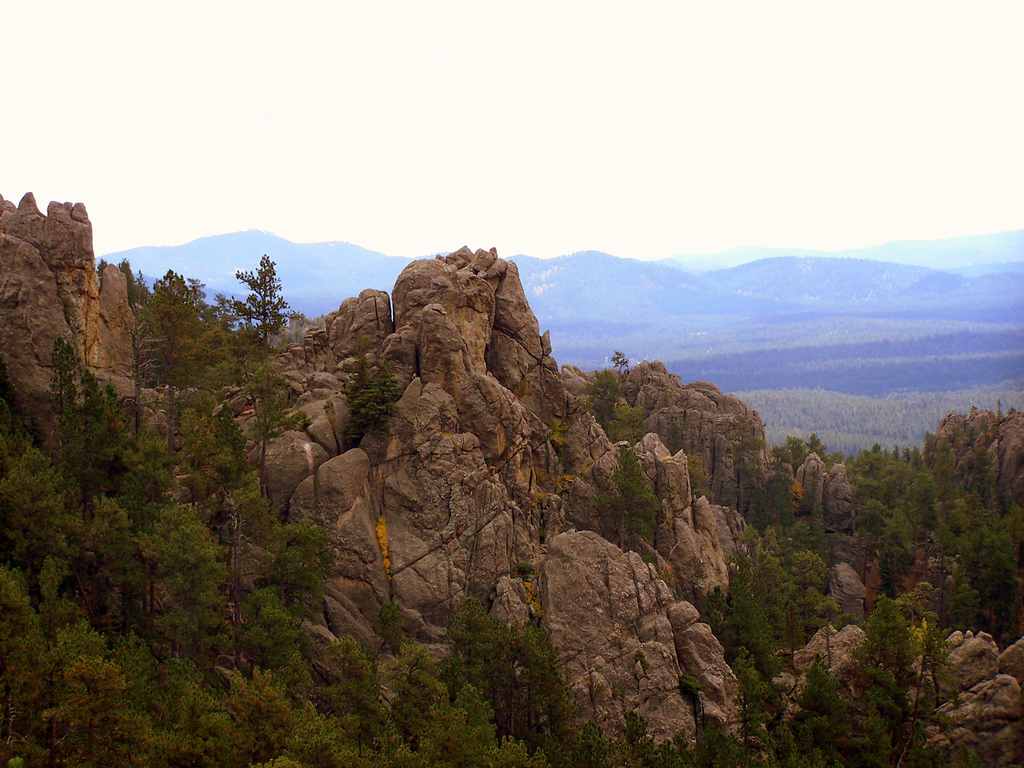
pixel 263 311
pixel 172 321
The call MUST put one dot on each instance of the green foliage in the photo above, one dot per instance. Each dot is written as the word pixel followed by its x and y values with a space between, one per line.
pixel 138 291
pixel 263 312
pixel 630 510
pixel 516 670
pixel 850 423
pixel 627 423
pixel 605 392
pixel 371 394
pixel 153 604
pixel 620 363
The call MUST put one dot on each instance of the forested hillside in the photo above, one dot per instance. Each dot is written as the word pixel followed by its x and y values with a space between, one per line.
pixel 412 539
pixel 852 423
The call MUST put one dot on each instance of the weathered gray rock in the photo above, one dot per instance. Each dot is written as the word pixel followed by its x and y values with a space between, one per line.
pixel 610 620
pixel 1011 660
pixel 845 586
pixel 511 602
pixel 838 501
pixel 328 420
pixel 360 325
pixel 702 658
pixel 1001 436
pixel 837 649
pixel 291 458
pixel 985 718
pixel 811 477
pixel 972 659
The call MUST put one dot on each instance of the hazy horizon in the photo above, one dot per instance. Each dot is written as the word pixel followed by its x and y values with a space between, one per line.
pixel 541 130
pixel 798 251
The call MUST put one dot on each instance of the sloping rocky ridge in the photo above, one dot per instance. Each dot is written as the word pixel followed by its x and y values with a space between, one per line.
pixel 49 289
pixel 484 484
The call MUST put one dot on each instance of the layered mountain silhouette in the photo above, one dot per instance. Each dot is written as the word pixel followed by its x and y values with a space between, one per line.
pixel 984 278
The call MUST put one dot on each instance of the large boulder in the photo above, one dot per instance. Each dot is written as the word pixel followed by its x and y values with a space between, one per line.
pixel 985 718
pixel 290 459
pixel 838 501
pixel 626 643
pixel 360 324
pixel 811 477
pixel 836 649
pixel 49 289
pixel 1011 660
pixel 972 658
pixel 845 586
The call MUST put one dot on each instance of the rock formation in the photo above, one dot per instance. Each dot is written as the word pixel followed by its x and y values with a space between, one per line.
pixel 724 433
pixel 49 289
pixel 848 590
pixel 626 643
pixel 828 492
pixel 985 711
pixel 983 437
pixel 488 458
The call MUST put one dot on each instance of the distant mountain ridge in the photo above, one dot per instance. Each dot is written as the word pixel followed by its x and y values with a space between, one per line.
pixel 593 284
pixel 953 253
pixel 314 274
pixel 850 324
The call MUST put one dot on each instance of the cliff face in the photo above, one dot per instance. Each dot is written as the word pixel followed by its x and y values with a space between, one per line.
pixel 49 289
pixel 726 434
pixel 488 463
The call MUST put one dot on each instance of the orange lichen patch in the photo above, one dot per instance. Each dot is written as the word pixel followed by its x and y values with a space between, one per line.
pixel 382 543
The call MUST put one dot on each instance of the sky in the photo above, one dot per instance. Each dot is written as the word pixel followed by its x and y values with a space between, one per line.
pixel 644 129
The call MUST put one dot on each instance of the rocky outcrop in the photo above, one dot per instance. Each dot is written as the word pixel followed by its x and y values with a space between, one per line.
pixel 838 501
pixel 696 538
pixel 721 431
pixel 626 644
pixel 986 718
pixel 1011 661
pixel 811 477
pixel 984 712
pixel 836 649
pixel 972 658
pixel 49 289
pixel 979 443
pixel 845 586
pixel 487 458
pixel 459 490
pixel 828 492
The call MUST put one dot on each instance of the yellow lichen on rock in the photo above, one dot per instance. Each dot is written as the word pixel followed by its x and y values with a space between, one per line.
pixel 382 543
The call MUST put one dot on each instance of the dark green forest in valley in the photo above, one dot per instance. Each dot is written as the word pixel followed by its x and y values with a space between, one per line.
pixel 852 423
pixel 153 606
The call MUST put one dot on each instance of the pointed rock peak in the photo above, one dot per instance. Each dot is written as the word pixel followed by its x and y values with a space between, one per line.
pixel 78 213
pixel 28 204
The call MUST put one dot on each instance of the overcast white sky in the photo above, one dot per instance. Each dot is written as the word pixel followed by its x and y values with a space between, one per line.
pixel 643 129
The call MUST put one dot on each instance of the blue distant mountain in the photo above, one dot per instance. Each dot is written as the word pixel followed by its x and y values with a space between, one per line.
pixel 597 286
pixel 853 324
pixel 951 254
pixel 316 276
